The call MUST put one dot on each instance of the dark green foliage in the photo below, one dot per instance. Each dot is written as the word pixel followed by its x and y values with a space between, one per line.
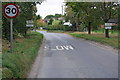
pixel 38 17
pixel 56 16
pixel 59 27
pixel 94 12
pixel 26 12
pixel 50 21
pixel 49 17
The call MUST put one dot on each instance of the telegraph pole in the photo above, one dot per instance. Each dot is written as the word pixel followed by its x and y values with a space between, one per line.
pixel 62 10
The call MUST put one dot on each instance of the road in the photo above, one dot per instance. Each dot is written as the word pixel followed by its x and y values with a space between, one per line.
pixel 69 57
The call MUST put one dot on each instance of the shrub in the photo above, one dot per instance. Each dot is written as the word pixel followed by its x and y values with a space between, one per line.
pixel 58 27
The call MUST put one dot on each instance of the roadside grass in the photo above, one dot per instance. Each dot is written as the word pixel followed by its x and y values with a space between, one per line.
pixel 59 31
pixel 99 37
pixel 95 36
pixel 18 63
pixel 103 31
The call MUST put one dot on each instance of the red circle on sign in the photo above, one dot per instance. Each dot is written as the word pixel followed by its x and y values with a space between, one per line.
pixel 16 11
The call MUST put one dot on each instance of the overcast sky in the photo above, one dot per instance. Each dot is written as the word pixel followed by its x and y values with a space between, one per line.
pixel 50 7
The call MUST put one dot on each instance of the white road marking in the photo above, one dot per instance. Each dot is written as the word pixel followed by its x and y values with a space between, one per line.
pixel 59 48
pixel 68 47
pixel 64 47
pixel 45 47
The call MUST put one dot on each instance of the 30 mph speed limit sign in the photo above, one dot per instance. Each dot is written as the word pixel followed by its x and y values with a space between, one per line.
pixel 11 10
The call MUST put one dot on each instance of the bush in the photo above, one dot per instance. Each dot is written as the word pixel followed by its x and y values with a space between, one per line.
pixel 58 27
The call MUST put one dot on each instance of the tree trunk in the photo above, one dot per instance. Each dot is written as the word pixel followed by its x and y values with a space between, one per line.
pixel 89 28
pixel 77 26
pixel 25 31
pixel 107 33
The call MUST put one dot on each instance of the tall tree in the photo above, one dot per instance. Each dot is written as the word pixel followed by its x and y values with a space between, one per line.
pixel 91 14
pixel 108 10
pixel 81 12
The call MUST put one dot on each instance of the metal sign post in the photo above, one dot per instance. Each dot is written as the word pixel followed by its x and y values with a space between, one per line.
pixel 11 35
pixel 107 27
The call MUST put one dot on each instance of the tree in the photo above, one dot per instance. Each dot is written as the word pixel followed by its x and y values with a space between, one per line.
pixel 70 16
pixel 81 12
pixel 108 10
pixel 90 14
pixel 40 23
pixel 27 11
pixel 38 17
pixel 56 22
pixel 49 17
pixel 57 16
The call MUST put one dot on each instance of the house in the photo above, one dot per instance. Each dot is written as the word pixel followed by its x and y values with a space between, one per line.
pixel 113 21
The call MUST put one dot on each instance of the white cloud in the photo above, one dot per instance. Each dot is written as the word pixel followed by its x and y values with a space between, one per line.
pixel 50 7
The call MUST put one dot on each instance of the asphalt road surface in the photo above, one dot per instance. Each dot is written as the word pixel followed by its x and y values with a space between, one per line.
pixel 69 57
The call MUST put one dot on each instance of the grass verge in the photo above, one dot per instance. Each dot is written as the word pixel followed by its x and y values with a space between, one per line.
pixel 112 41
pixel 18 63
pixel 59 31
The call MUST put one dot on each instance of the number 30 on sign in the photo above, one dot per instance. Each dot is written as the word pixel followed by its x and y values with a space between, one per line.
pixel 11 10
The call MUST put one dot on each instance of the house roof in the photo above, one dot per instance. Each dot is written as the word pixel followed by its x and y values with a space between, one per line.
pixel 112 21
